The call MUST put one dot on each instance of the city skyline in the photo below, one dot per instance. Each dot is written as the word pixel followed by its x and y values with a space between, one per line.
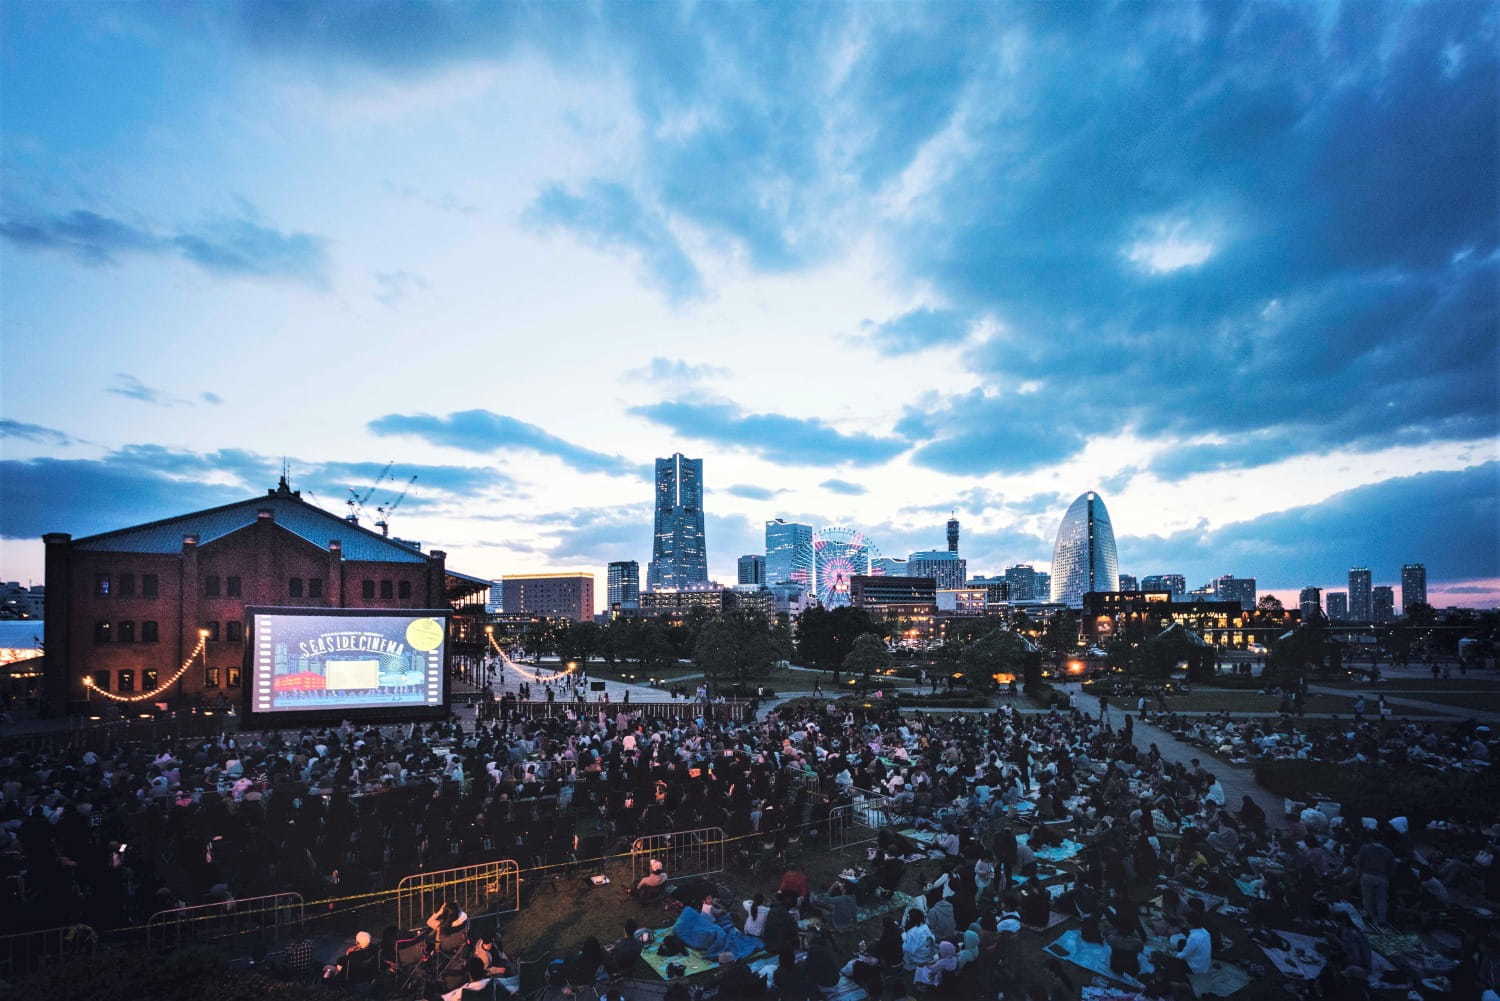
pixel 885 283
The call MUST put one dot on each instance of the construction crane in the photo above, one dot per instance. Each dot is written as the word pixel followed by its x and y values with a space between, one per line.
pixel 357 503
pixel 389 508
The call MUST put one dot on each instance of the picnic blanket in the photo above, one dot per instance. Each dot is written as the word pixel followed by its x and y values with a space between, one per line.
pixel 1111 994
pixel 897 901
pixel 692 962
pixel 1300 959
pixel 1222 979
pixel 1059 853
pixel 1043 873
pixel 701 932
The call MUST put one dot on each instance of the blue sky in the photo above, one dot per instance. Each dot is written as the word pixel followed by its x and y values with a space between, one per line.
pixel 1234 265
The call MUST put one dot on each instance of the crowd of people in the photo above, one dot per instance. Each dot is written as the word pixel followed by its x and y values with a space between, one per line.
pixel 1378 740
pixel 1032 820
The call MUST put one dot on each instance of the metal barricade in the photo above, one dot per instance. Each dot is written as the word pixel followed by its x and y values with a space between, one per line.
pixel 681 853
pixel 271 918
pixel 29 951
pixel 859 822
pixel 478 890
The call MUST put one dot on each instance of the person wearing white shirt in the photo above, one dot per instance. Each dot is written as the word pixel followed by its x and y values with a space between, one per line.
pixel 1197 950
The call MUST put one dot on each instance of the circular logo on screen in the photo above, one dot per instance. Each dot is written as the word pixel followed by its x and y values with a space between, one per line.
pixel 424 634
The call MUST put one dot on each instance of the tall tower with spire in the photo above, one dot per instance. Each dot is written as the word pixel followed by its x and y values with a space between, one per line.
pixel 953 533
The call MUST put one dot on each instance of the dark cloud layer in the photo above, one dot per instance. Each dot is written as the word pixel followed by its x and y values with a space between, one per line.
pixel 485 431
pixel 236 248
pixel 796 441
pixel 140 483
pixel 1443 519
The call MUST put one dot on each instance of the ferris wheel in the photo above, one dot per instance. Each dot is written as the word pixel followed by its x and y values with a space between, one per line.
pixel 840 554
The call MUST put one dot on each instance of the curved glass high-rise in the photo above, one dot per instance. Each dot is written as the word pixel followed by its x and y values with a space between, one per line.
pixel 1084 558
pixel 679 555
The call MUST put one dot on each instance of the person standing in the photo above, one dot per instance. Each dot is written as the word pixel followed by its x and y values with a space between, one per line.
pixel 1375 863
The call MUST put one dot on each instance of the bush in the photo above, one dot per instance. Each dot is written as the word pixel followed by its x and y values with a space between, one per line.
pixel 1047 697
pixel 1385 791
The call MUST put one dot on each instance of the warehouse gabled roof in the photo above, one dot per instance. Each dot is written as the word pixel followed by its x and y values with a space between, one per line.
pixel 291 512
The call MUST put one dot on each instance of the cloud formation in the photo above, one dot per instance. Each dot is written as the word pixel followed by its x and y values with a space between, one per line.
pixel 234 248
pixel 793 441
pixel 844 487
pixel 484 431
pixel 35 433
pixel 610 217
pixel 917 330
pixel 748 491
pixel 675 371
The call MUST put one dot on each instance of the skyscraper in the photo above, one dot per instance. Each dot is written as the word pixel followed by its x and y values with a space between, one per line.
pixel 953 535
pixel 679 553
pixel 1413 586
pixel 624 584
pixel 1129 583
pixel 1021 579
pixel 1084 558
pixel 1359 595
pixel 752 569
pixel 943 566
pixel 1232 588
pixel 789 553
pixel 1043 590
pixel 1174 582
pixel 1310 603
pixel 892 566
pixel 1382 603
pixel 1337 603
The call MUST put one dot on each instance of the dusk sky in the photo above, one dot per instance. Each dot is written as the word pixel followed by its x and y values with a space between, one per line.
pixel 1235 266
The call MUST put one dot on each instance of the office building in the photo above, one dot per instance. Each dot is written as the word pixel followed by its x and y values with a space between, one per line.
pixel 1336 605
pixel 1240 589
pixel 947 568
pixel 710 597
pixel 125 607
pixel 562 595
pixel 1382 603
pixel 1022 579
pixel 1413 586
pixel 1359 595
pixel 623 584
pixel 962 600
pixel 21 602
pixel 893 566
pixel 1129 583
pixel 1310 603
pixel 953 536
pixel 679 552
pixel 1175 583
pixel 789 554
pixel 790 599
pixel 866 590
pixel 1139 615
pixel 752 570
pixel 1084 558
pixel 1043 587
pixel 495 600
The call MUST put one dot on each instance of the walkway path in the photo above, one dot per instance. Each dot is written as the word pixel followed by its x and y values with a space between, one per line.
pixel 1238 780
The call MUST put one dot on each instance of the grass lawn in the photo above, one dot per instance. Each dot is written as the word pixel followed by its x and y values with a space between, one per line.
pixel 639 675
pixel 558 915
pixel 1403 686
pixel 1229 700
pixel 1484 701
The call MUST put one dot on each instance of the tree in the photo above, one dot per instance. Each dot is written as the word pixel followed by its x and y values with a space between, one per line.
pixel 1269 604
pixel 734 647
pixel 1159 656
pixel 825 637
pixel 1061 636
pixel 1000 651
pixel 867 655
pixel 1419 613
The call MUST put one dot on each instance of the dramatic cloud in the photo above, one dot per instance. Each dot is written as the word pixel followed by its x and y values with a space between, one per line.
pixel 843 487
pixel 237 248
pixel 610 217
pixel 793 441
pixel 485 431
pixel 34 432
pixel 140 483
pixel 918 330
pixel 749 492
pixel 1443 519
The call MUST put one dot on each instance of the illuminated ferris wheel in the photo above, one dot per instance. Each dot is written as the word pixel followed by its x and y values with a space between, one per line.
pixel 838 555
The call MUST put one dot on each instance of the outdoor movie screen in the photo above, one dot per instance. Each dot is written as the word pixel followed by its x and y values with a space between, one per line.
pixel 330 661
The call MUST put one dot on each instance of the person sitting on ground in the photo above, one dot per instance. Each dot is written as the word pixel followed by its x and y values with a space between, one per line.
pixel 756 911
pixel 940 916
pixel 700 929
pixel 650 886
pixel 918 944
pixel 621 955
pixel 794 881
pixel 588 965
pixel 476 980
pixel 946 963
pixel 780 930
pixel 839 905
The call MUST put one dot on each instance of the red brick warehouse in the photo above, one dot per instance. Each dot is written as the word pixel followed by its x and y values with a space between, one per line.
pixel 126 607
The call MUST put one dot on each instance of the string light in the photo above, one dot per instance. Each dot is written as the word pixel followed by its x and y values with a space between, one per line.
pixel 536 679
pixel 88 682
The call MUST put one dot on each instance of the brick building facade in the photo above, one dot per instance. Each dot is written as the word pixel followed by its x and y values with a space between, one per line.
pixel 126 607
